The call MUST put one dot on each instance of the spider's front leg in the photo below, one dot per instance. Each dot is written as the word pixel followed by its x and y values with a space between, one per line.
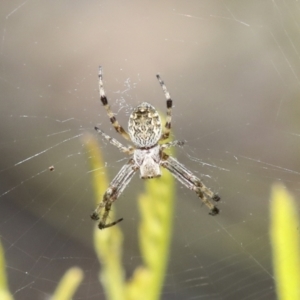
pixel 166 132
pixel 115 189
pixel 110 114
pixel 127 150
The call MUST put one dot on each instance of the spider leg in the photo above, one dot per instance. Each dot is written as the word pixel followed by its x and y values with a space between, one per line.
pixel 110 114
pixel 171 144
pixel 187 178
pixel 114 190
pixel 166 132
pixel 115 142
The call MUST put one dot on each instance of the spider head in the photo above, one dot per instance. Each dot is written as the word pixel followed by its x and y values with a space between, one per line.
pixel 144 126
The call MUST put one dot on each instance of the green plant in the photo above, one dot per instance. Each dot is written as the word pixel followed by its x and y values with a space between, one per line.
pixel 285 241
pixel 68 284
pixel 155 227
pixel 4 291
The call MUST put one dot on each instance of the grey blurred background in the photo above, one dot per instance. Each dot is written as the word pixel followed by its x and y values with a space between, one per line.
pixel 232 68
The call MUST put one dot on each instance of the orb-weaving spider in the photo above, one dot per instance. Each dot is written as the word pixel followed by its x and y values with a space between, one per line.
pixel 145 131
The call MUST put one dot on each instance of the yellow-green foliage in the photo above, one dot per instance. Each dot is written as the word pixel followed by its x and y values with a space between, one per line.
pixel 156 207
pixel 4 291
pixel 155 227
pixel 65 290
pixel 68 284
pixel 285 242
pixel 108 242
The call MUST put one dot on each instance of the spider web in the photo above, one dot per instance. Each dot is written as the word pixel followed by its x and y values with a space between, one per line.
pixel 232 69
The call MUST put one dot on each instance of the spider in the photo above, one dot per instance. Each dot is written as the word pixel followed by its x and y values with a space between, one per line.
pixel 145 131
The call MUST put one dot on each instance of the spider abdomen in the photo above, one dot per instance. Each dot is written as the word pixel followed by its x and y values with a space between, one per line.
pixel 144 126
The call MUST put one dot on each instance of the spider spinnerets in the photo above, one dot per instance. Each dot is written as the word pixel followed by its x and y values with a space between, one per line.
pixel 145 131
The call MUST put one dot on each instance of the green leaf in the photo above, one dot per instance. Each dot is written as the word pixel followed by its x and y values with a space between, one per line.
pixel 155 229
pixel 68 284
pixel 108 242
pixel 285 243
pixel 4 291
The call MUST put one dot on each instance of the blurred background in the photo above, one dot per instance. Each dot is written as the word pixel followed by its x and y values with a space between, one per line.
pixel 232 69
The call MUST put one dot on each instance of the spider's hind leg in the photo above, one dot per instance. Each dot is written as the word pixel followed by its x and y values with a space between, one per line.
pixel 197 182
pixel 213 209
pixel 110 224
pixel 216 197
pixel 187 178
pixel 102 224
pixel 114 190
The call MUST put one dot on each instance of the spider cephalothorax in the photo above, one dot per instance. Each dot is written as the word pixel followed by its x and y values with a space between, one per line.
pixel 145 131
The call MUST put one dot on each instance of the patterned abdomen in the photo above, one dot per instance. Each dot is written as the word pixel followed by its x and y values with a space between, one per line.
pixel 144 126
